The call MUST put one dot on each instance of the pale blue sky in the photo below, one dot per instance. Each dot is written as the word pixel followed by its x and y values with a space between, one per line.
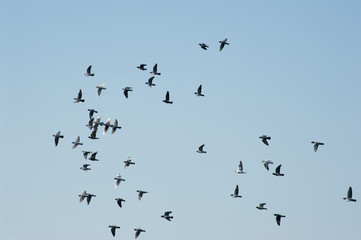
pixel 291 71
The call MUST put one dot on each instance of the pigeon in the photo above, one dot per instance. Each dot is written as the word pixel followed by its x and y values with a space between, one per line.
pixel 93 157
pixel 126 90
pixel 235 194
pixel 277 171
pixel 113 228
pixel 83 196
pixel 91 123
pixel 85 167
pixel 167 216
pixel 240 168
pixel 91 113
pixel 264 139
pixel 88 72
pixel 140 194
pixel 278 218
pixel 100 89
pixel 204 46
pixel 118 179
pixel 199 91
pixel 261 206
pixel 119 201
pixel 138 231
pixel 93 135
pixel 77 142
pixel 85 154
pixel 266 163
pixel 56 137
pixel 150 82
pixel 166 100
pixel 96 123
pixel 349 196
pixel 200 149
pixel 128 162
pixel 142 67
pixel 106 126
pixel 316 144
pixel 223 43
pixel 155 70
pixel 79 99
pixel 115 126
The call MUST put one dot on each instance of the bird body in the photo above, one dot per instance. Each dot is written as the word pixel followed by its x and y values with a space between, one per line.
pixel 166 100
pixel 85 154
pixel 155 70
pixel 349 196
pixel 106 126
pixel 138 231
pixel 56 136
pixel 200 149
pixel 78 98
pixel 261 206
pixel 223 43
pixel 278 218
pixel 91 113
pixel 128 162
pixel 140 194
pixel 266 163
pixel 88 72
pixel 93 135
pixel 240 168
pixel 265 138
pixel 85 167
pixel 316 144
pixel 277 171
pixel 93 157
pixel 150 82
pixel 204 46
pixel 126 90
pixel 235 194
pixel 76 142
pixel 119 201
pixel 142 67
pixel 113 228
pixel 118 179
pixel 115 126
pixel 199 91
pixel 167 216
pixel 100 89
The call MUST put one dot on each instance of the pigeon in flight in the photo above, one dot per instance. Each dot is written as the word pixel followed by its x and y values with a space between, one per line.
pixel 142 67
pixel 349 196
pixel 167 216
pixel 200 149
pixel 264 139
pixel 140 194
pixel 126 90
pixel 100 89
pixel 77 142
pixel 316 144
pixel 79 99
pixel 128 162
pixel 56 137
pixel 138 231
pixel 91 123
pixel 277 171
pixel 235 194
pixel 115 126
pixel 91 113
pixel 166 100
pixel 223 43
pixel 261 206
pixel 119 201
pixel 96 123
pixel 113 228
pixel 85 154
pixel 106 126
pixel 199 91
pixel 278 218
pixel 118 179
pixel 93 157
pixel 150 82
pixel 266 163
pixel 155 70
pixel 93 135
pixel 204 46
pixel 240 168
pixel 88 72
pixel 85 167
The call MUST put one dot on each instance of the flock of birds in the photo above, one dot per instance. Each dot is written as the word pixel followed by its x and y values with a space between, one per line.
pixel 94 124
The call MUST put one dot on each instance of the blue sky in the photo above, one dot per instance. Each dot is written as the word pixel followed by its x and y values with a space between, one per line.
pixel 291 71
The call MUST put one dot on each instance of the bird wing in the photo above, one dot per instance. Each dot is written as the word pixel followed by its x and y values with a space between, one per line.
pixel 137 233
pixel 89 69
pixel 349 193
pixel 278 219
pixel 126 93
pixel 266 165
pixel 80 94
pixel 236 190
pixel 155 68
pixel 119 201
pixel 221 46
pixel 56 140
pixel 264 140
pixel 88 198
pixel 112 229
pixel 201 148
pixel 262 204
pixel 199 91
pixel 278 169
pixel 167 96
pixel 240 166
pixel 315 146
pixel 150 80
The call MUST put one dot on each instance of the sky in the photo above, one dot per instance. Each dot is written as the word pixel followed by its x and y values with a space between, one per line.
pixel 291 71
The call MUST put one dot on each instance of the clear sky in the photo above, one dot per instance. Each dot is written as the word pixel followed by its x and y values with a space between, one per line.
pixel 292 71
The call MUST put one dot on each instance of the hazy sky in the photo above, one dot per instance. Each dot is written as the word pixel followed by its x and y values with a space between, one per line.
pixel 292 71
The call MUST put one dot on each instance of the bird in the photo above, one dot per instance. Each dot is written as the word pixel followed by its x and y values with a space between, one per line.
pixel 235 194
pixel 83 196
pixel 266 163
pixel 142 67
pixel 106 126
pixel 223 43
pixel 77 142
pixel 119 201
pixel 264 139
pixel 91 113
pixel 277 171
pixel 85 154
pixel 199 91
pixel 349 196
pixel 88 72
pixel 89 197
pixel 204 46
pixel 155 70
pixel 278 218
pixel 115 126
pixel 96 123
pixel 316 144
pixel 167 216
pixel 150 82
pixel 200 149
pixel 138 231
pixel 113 228
pixel 93 157
pixel 93 135
pixel 126 90
pixel 56 137
pixel 140 194
pixel 100 89
pixel 79 99
pixel 91 123
pixel 118 179
pixel 128 162
pixel 261 206
pixel 166 100
pixel 240 168
pixel 85 167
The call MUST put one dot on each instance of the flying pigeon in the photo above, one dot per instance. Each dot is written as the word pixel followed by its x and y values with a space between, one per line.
pixel 115 126
pixel 150 82
pixel 138 231
pixel 140 194
pixel 79 99
pixel 91 113
pixel 100 89
pixel 128 162
pixel 200 149
pixel 277 171
pixel 166 100
pixel 266 163
pixel 204 46
pixel 119 201
pixel 88 72
pixel 106 126
pixel 83 196
pixel 261 206
pixel 167 216
pixel 113 228
pixel 199 91
pixel 85 167
pixel 56 137
pixel 278 218
pixel 235 194
pixel 93 157
pixel 77 142
pixel 96 123
pixel 264 139
pixel 126 90
pixel 223 43
pixel 91 123
pixel 349 196
pixel 316 144
pixel 118 179
pixel 85 154
pixel 155 70
pixel 93 135
pixel 142 67
pixel 240 168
